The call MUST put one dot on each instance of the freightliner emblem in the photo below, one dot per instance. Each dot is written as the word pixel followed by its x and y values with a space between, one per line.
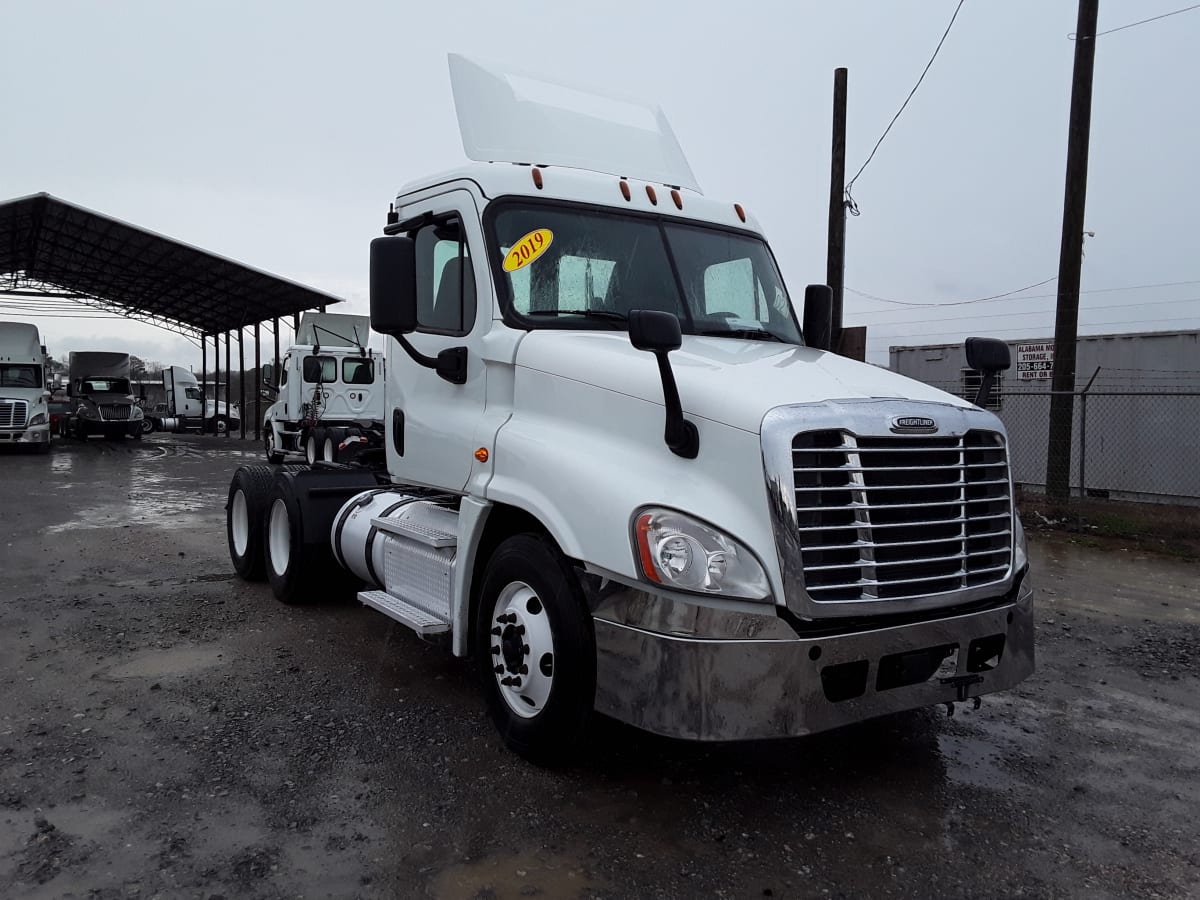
pixel 914 424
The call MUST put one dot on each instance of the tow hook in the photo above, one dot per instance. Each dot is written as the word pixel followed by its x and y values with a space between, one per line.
pixel 961 683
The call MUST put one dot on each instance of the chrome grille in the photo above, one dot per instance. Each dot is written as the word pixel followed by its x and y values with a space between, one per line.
pixel 13 413
pixel 116 412
pixel 887 518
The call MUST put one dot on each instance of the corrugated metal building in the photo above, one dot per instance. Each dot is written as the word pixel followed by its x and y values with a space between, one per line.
pixel 1137 410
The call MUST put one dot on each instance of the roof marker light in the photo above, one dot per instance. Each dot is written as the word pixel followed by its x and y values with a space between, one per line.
pixel 537 178
pixel 678 199
pixel 737 207
pixel 625 190
pixel 653 196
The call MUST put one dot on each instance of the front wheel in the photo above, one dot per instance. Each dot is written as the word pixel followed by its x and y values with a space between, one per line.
pixel 273 453
pixel 147 426
pixel 535 649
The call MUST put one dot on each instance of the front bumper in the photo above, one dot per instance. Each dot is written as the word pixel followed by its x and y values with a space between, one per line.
pixel 35 434
pixel 774 683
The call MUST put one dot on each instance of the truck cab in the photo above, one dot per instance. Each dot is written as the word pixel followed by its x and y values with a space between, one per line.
pixel 624 477
pixel 24 394
pixel 329 384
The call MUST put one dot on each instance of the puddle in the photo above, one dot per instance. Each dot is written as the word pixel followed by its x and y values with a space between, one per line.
pixel 514 876
pixel 175 661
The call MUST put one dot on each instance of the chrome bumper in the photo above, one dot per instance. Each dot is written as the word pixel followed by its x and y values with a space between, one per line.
pixel 775 683
pixel 31 434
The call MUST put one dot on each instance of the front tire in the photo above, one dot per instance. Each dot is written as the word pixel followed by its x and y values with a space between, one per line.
pixel 147 426
pixel 273 453
pixel 244 512
pixel 535 649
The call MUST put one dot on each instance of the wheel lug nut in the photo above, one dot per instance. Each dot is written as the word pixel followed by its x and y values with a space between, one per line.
pixel 497 632
pixel 516 682
pixel 495 651
pixel 520 629
pixel 524 670
pixel 524 649
pixel 507 682
pixel 498 669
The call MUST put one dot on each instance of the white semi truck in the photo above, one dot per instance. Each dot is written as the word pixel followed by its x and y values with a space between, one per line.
pixel 622 477
pixel 330 389
pixel 24 395
pixel 101 395
pixel 185 408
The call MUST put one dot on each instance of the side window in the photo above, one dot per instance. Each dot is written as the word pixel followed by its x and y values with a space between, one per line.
pixel 731 291
pixel 191 393
pixel 583 282
pixel 358 371
pixel 445 280
pixel 320 369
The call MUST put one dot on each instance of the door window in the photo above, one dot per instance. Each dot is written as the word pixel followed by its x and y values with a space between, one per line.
pixel 445 280
pixel 358 371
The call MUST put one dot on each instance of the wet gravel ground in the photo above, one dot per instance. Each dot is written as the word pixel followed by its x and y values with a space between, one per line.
pixel 169 731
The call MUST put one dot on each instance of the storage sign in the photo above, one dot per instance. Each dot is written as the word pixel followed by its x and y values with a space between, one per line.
pixel 1035 361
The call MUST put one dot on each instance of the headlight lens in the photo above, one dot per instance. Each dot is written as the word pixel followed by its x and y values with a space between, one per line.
pixel 1020 548
pixel 38 419
pixel 680 552
pixel 86 412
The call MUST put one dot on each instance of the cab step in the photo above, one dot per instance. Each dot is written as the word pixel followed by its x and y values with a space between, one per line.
pixel 420 621
pixel 421 532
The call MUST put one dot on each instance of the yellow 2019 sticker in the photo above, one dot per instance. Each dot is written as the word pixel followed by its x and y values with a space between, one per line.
pixel 527 249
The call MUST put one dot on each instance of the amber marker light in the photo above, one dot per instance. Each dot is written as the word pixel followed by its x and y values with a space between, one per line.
pixel 643 542
pixel 625 190
pixel 737 208
pixel 653 196
pixel 481 454
pixel 537 178
pixel 678 199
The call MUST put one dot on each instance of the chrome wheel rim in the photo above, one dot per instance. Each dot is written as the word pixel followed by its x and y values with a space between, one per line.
pixel 279 537
pixel 239 523
pixel 329 447
pixel 522 650
pixel 310 450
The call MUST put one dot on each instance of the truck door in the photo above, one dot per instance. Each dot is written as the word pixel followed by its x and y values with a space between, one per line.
pixel 432 423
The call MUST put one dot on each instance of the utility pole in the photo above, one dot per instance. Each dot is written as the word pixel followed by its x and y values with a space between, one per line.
pixel 835 267
pixel 1070 258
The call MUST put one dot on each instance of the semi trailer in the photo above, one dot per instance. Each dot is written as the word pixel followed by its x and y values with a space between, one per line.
pixel 624 477
pixel 24 395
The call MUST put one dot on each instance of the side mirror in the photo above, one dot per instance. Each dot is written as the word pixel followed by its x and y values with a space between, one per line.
pixel 987 356
pixel 658 332
pixel 655 331
pixel 818 316
pixel 268 374
pixel 393 285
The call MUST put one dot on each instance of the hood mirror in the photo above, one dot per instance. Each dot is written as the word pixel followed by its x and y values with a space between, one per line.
pixel 987 356
pixel 658 332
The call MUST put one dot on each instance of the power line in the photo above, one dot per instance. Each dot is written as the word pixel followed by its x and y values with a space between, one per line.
pixel 924 72
pixel 1045 312
pixel 1072 36
pixel 932 305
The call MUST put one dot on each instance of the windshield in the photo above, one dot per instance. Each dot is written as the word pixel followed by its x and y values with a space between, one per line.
pixel 581 268
pixel 106 385
pixel 17 376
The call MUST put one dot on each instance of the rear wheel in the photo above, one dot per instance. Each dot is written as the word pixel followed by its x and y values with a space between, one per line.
pixel 298 572
pixel 333 439
pixel 244 510
pixel 314 445
pixel 535 649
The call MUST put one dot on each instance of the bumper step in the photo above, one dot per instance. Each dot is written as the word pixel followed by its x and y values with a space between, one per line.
pixel 405 613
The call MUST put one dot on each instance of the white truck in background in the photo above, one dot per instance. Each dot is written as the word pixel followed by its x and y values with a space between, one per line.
pixel 624 480
pixel 24 395
pixel 328 401
pixel 185 408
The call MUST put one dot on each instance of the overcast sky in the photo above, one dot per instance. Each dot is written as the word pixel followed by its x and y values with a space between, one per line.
pixel 275 133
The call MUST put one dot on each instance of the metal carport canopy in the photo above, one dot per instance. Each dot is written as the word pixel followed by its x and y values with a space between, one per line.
pixel 49 247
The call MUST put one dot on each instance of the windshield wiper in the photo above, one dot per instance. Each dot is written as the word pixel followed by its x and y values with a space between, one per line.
pixel 588 313
pixel 753 334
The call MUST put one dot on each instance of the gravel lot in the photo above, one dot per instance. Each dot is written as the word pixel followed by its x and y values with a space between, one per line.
pixel 167 730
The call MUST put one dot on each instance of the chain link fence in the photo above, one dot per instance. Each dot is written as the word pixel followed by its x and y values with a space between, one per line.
pixel 1141 446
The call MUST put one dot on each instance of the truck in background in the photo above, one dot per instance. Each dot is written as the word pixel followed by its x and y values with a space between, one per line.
pixel 185 408
pixel 24 409
pixel 102 396
pixel 623 479
pixel 328 401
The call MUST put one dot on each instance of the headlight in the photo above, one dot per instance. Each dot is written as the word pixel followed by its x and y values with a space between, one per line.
pixel 86 412
pixel 1020 548
pixel 39 419
pixel 680 552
